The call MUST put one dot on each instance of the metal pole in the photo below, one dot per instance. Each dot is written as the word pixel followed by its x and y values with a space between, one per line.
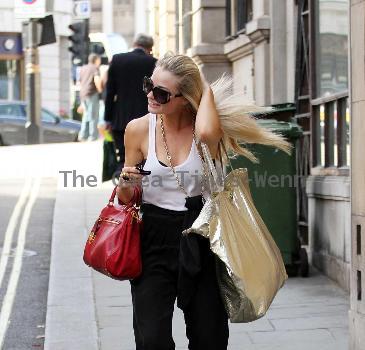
pixel 87 41
pixel 33 92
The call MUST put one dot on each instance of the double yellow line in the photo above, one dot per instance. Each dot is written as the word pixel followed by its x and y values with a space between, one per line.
pixel 26 199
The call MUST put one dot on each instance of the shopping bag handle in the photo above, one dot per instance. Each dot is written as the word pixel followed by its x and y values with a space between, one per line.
pixel 222 145
pixel 215 173
pixel 215 177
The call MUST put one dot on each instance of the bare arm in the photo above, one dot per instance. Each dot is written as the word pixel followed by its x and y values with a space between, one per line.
pixel 133 156
pixel 104 79
pixel 98 83
pixel 207 124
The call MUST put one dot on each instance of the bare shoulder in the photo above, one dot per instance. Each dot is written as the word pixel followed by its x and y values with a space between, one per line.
pixel 138 128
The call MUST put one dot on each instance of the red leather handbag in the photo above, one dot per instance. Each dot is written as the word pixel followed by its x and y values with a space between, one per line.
pixel 113 245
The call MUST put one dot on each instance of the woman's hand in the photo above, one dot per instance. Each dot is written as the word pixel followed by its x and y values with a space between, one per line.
pixel 129 177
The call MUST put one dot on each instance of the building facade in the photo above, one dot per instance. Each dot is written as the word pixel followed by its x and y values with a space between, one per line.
pixel 302 53
pixel 54 59
pixel 294 53
pixel 124 17
pixel 283 53
pixel 357 93
pixel 323 108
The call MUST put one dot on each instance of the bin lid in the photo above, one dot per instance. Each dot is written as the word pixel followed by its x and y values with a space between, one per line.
pixel 283 107
pixel 291 130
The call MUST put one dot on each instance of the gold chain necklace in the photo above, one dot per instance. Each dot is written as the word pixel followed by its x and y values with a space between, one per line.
pixel 169 158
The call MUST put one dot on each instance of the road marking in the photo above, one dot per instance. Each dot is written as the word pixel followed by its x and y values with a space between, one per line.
pixel 17 265
pixel 11 228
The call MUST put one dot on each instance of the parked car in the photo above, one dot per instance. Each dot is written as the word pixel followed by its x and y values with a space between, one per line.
pixel 13 119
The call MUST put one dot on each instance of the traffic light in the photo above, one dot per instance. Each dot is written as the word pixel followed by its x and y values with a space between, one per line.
pixel 46 32
pixel 79 42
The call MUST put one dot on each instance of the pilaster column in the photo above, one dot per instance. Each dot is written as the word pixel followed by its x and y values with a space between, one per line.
pixel 357 100
pixel 140 16
pixel 153 25
pixel 208 37
pixel 167 26
pixel 278 44
pixel 107 16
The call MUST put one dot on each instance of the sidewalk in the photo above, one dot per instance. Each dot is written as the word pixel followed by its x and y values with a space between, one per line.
pixel 88 311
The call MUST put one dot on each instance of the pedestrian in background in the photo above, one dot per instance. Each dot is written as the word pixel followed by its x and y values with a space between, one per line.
pixel 110 163
pixel 90 87
pixel 125 99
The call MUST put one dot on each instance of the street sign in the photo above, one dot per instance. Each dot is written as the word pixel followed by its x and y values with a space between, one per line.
pixel 11 45
pixel 82 9
pixel 25 9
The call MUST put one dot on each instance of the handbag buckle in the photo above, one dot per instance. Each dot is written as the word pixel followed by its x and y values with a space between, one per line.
pixel 111 221
pixel 135 216
pixel 91 237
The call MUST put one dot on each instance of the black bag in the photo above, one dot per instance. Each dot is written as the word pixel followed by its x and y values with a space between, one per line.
pixel 110 163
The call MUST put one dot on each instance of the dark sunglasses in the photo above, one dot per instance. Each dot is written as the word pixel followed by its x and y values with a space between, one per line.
pixel 160 95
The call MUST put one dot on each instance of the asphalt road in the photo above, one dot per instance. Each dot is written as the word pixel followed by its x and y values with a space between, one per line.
pixel 25 270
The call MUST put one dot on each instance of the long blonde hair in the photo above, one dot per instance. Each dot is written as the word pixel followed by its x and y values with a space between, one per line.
pixel 238 124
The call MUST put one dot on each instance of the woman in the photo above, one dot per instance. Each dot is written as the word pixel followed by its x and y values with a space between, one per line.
pixel 183 112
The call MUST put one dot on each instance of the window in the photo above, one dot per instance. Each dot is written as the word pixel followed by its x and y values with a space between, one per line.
pixel 331 135
pixel 322 112
pixel 122 2
pixel 10 79
pixel 13 110
pixel 238 13
pixel 48 117
pixel 331 117
pixel 331 47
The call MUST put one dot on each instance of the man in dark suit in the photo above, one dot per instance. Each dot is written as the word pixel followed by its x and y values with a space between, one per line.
pixel 125 99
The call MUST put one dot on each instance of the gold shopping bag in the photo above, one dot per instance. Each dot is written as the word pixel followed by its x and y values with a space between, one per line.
pixel 249 265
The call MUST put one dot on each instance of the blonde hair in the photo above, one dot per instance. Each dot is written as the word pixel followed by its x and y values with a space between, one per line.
pixel 238 123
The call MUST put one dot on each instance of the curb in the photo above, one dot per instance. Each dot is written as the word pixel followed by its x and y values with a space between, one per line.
pixel 71 319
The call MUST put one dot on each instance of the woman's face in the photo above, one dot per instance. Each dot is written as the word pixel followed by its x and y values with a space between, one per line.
pixel 169 82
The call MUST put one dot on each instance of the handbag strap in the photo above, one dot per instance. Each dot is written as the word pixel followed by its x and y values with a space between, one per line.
pixel 135 200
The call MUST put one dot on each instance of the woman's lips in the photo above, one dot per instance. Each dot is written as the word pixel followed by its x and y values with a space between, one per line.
pixel 152 104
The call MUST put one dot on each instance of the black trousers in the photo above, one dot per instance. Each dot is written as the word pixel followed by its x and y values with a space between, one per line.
pixel 154 291
pixel 118 136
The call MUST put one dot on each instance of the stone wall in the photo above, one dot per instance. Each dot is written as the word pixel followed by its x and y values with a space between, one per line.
pixel 357 71
pixel 329 226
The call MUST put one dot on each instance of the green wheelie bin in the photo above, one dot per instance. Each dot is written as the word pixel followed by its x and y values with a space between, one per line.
pixel 273 184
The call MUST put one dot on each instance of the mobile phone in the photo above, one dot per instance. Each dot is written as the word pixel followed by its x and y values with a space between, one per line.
pixel 139 167
pixel 144 172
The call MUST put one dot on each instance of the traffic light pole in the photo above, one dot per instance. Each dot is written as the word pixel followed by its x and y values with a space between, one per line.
pixel 33 91
pixel 86 48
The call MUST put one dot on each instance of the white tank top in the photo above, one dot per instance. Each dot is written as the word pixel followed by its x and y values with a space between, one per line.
pixel 161 187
